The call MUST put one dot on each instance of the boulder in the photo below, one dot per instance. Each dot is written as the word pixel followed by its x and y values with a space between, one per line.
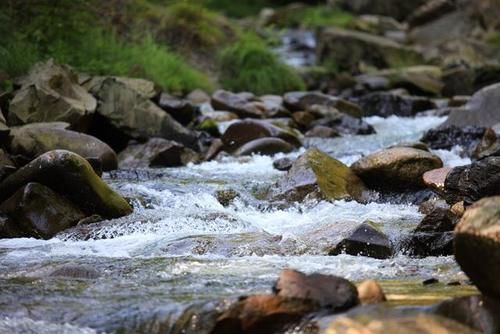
pixel 364 240
pixel 274 105
pixel 473 182
pixel 370 292
pixel 340 122
pixel 242 104
pixel 37 211
pixel 477 245
pixel 156 152
pixel 135 116
pixel 264 146
pixel 386 104
pixel 399 10
pixel 398 168
pixel 198 97
pixel 436 178
pixel 71 176
pixel 51 93
pixel 329 292
pixel 321 131
pixel 350 49
pixel 144 87
pixel 181 110
pixel 7 166
pixel 489 145
pixel 301 101
pixel 242 132
pixel 409 324
pixel 446 137
pixel 316 174
pixel 32 140
pixel 433 236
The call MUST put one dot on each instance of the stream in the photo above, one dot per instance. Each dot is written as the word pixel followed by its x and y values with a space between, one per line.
pixel 181 246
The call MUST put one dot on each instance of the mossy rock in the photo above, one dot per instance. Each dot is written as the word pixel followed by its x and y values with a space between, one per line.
pixel 316 174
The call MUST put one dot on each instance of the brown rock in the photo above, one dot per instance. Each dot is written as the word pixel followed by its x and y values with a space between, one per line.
pixel 370 292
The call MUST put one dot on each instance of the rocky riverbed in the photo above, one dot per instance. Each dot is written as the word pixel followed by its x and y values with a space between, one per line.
pixel 369 203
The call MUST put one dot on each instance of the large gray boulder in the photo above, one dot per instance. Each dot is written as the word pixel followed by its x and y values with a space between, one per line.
pixel 51 93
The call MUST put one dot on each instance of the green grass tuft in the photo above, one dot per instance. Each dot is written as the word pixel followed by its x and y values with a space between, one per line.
pixel 249 65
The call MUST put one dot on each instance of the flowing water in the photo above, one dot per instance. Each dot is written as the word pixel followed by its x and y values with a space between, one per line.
pixel 181 246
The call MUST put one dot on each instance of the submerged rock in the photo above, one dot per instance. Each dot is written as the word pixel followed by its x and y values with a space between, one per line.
pixel 71 176
pixel 315 174
pixel 396 168
pixel 51 93
pixel 364 240
pixel 156 152
pixel 33 140
pixel 37 211
pixel 477 245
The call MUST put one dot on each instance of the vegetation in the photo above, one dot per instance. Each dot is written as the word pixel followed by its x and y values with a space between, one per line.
pixel 248 65
pixel 313 17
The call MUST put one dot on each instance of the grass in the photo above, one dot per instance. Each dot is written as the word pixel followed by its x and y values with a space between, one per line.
pixel 243 8
pixel 249 65
pixel 311 17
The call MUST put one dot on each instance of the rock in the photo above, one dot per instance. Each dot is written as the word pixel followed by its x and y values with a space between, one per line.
pixel 445 138
pixel 7 166
pixel 71 176
pixel 329 292
pixel 143 87
pixel 409 324
pixel 478 312
pixel 303 118
pixel 51 93
pixel 481 111
pixel 274 105
pixel 33 140
pixel 436 178
pixel 473 182
pixel 462 79
pixel 39 212
pixel 370 292
pixel 76 272
pixel 320 131
pixel 264 146
pixel 283 164
pixel 399 10
pixel 242 104
pixel 415 144
pixel 386 104
pixel 156 152
pixel 433 236
pixel 316 174
pixel 377 25
pixel 489 144
pixel 340 122
pixel 135 116
pixel 477 245
pixel 4 129
pixel 301 101
pixel 215 148
pixel 365 240
pixel 181 110
pixel 198 97
pixel 397 168
pixel 430 11
pixel 349 49
pixel 242 132
pixel 226 196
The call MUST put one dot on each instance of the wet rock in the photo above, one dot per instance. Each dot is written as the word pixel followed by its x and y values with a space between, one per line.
pixel 348 49
pixel 370 292
pixel 7 166
pixel 365 240
pixel 430 11
pixel 446 137
pixel 386 104
pixel 51 93
pixel 477 312
pixel 477 245
pixel 274 105
pixel 215 148
pixel 181 110
pixel 410 324
pixel 321 131
pixel 39 212
pixel 301 101
pixel 77 272
pixel 396 168
pixel 434 235
pixel 303 118
pixel 399 10
pixel 473 182
pixel 489 144
pixel 283 164
pixel 131 114
pixel 415 144
pixel 242 132
pixel 242 104
pixel 316 174
pixel 156 152
pixel 436 178
pixel 329 292
pixel 71 176
pixel 33 140
pixel 226 196
pixel 264 146
pixel 340 122
pixel 466 80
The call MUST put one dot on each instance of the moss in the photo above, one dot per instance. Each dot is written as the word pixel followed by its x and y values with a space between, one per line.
pixel 313 17
pixel 249 65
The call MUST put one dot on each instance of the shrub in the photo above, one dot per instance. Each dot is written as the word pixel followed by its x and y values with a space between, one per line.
pixel 249 65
